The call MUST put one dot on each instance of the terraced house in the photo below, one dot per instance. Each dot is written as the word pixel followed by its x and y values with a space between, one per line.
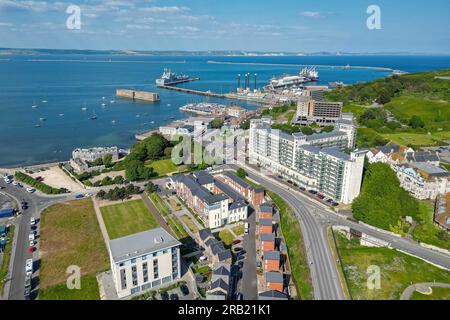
pixel 216 203
pixel 315 162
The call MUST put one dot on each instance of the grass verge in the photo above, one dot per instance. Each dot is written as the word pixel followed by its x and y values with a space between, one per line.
pixel 6 258
pixel 88 291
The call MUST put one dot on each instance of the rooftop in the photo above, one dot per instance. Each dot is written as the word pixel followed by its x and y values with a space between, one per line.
pixel 265 222
pixel 272 295
pixel 274 277
pixel 267 237
pixel 272 255
pixel 141 243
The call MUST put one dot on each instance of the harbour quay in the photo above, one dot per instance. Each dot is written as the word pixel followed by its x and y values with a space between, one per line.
pixel 138 95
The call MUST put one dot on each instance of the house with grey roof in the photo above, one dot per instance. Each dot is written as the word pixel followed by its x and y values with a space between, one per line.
pixel 144 261
pixel 272 295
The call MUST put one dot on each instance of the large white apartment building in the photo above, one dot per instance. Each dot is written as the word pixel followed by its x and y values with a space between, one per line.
pixel 314 162
pixel 143 261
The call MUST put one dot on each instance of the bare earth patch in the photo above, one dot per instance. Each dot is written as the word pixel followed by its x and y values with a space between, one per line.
pixel 56 178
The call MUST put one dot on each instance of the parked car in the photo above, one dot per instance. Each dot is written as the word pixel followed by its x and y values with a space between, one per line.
pixel 79 196
pixel 31 249
pixel 31 236
pixel 203 258
pixel 164 296
pixel 303 188
pixel 335 204
pixel 32 221
pixel 237 241
pixel 184 290
pixel 240 264
pixel 258 264
pixel 26 294
pixel 29 266
pixel 174 296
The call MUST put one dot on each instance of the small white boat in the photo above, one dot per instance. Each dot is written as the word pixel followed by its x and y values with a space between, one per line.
pixel 169 105
pixel 61 114
pixel 37 126
pixel 44 101
pixel 103 98
pixel 112 101
pixel 152 122
pixel 113 122
pixel 34 106
pixel 138 116
pixel 42 119
pixel 84 108
pixel 103 104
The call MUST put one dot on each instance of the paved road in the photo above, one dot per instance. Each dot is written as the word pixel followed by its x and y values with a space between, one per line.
pixel 36 203
pixel 406 295
pixel 248 284
pixel 314 219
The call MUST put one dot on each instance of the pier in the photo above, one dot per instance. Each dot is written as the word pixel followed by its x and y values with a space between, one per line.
pixel 191 91
pixel 231 96
pixel 138 95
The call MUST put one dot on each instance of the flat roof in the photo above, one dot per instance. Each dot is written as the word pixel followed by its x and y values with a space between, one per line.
pixel 139 244
pixel 265 222
pixel 272 255
pixel 274 277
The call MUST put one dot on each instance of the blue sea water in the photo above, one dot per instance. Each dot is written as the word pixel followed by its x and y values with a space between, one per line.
pixel 70 82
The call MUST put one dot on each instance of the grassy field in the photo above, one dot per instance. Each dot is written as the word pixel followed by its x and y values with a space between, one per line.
pixel 127 218
pixel 426 231
pixel 89 291
pixel 438 294
pixel 226 237
pixel 354 108
pixel 164 167
pixel 435 113
pixel 189 223
pixel 238 230
pixel 70 235
pixel 6 258
pixel 294 240
pixel 418 139
pixel 398 270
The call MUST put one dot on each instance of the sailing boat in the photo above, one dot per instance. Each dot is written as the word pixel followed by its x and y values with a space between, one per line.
pixel 94 116
pixel 34 106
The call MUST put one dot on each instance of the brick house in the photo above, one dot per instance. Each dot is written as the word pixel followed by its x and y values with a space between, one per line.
pixel 265 226
pixel 272 261
pixel 265 211
pixel 274 281
pixel 267 242
pixel 253 194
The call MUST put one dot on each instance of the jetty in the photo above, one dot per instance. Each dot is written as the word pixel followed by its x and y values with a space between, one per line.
pixel 192 91
pixel 138 95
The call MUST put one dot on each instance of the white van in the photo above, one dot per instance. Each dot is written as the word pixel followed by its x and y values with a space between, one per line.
pixel 29 266
pixel 31 236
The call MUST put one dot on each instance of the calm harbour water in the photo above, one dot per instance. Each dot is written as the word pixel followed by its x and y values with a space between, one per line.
pixel 77 81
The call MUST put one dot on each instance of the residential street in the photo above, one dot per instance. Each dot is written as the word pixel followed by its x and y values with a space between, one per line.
pixel 314 219
pixel 248 284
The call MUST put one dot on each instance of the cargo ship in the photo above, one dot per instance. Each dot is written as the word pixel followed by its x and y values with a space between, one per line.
pixel 287 81
pixel 169 78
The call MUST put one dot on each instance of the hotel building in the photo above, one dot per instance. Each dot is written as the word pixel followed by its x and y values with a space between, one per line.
pixel 314 162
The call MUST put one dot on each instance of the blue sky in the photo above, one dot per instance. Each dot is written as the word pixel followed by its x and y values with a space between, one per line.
pixel 264 25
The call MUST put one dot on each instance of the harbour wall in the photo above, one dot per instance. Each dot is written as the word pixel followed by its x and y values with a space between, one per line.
pixel 138 95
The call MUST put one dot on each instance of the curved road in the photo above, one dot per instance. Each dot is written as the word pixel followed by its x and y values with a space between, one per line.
pixel 314 219
pixel 406 295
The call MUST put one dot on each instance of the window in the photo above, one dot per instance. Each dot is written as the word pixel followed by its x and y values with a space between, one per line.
pixel 156 283
pixel 143 258
pixel 133 260
pixel 121 264
pixel 167 279
pixel 123 279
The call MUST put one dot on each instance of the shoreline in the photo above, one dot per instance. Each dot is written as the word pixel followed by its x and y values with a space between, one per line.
pixel 298 65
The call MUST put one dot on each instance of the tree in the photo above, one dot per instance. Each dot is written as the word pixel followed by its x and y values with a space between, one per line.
pixel 416 122
pixel 382 202
pixel 241 173
pixel 328 129
pixel 217 123
pixel 307 130
pixel 107 160
pixel 97 162
pixel 101 194
pixel 150 187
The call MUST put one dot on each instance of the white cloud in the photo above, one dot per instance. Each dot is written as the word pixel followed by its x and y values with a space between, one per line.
pixel 5 24
pixel 171 9
pixel 311 14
